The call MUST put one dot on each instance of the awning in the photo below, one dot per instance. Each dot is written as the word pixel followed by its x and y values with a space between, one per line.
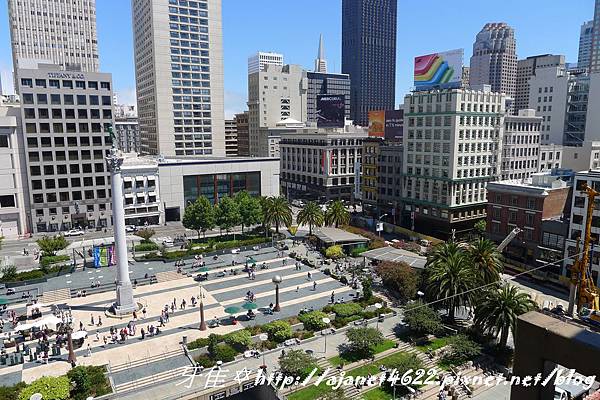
pixel 151 177
pixel 152 194
pixel 127 178
pixel 139 178
pixel 128 194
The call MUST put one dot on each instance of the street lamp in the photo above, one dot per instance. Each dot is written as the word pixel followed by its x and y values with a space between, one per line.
pixel 202 321
pixel 326 321
pixel 277 280
pixel 263 337
pixel 378 306
pixel 379 229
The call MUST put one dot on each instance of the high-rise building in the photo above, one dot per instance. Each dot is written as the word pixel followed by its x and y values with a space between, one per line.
pixel 275 94
pixel 258 61
pixel 521 145
pixel 231 138
pixel 494 59
pixel 320 61
pixel 179 76
pixel 464 79
pixel 62 33
pixel 127 130
pixel 65 119
pixel 585 44
pixel 452 149
pixel 595 51
pixel 548 90
pixel 526 69
pixel 241 123
pixel 369 55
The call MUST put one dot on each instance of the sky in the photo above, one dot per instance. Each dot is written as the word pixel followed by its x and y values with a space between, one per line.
pixel 292 27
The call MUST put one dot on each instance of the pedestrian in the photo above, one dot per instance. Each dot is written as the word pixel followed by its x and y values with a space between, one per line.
pixel 332 297
pixel 167 317
pixel 183 303
pixel 89 350
pixel 309 276
pixel 144 312
pixel 97 336
pixel 314 286
pixel 297 288
pixel 143 332
pixel 80 325
pixel 92 320
pixel 135 316
pixel 105 340
pixel 99 320
pixel 161 321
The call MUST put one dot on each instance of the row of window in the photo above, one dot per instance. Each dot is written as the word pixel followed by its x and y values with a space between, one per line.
pixel 67 113
pixel 38 198
pixel 49 170
pixel 58 127
pixel 67 84
pixel 59 141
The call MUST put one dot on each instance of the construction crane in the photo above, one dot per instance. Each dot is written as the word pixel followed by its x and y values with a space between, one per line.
pixel 508 239
pixel 582 290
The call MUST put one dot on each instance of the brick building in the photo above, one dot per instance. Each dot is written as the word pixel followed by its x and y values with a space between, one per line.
pixel 540 210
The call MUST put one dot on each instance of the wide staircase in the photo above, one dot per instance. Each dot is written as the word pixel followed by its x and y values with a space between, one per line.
pixel 55 296
pixel 169 276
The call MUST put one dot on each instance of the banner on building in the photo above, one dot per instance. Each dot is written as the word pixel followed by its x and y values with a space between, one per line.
pixel 331 111
pixel 377 123
pixel 104 256
pixel 439 70
pixel 388 123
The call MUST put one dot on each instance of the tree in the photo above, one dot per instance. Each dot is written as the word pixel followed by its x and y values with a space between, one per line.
pixel 50 387
pixel 277 212
pixel 337 214
pixel 498 310
pixel 278 331
pixel 334 252
pixel 462 349
pixel 239 340
pixel 486 259
pixel 88 381
pixel 296 363
pixel 402 365
pixel 199 216
pixel 311 215
pixel 367 289
pixel 480 227
pixel 313 321
pixel 145 234
pixel 363 340
pixel 228 213
pixel 422 319
pixel 250 209
pixel 450 277
pixel 399 277
pixel 49 245
pixel 8 273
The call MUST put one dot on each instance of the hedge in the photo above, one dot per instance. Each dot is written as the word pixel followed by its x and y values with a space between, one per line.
pixel 150 246
pixel 344 310
pixel 46 261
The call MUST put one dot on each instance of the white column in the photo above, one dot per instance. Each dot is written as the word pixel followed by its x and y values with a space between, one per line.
pixel 124 303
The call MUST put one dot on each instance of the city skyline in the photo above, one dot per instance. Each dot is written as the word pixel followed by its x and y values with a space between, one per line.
pixel 116 39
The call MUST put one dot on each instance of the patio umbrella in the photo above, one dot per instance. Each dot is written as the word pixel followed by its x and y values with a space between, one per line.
pixel 204 269
pixel 232 310
pixel 249 306
pixel 3 301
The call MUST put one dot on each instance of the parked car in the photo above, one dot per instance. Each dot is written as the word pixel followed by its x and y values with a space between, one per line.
pixel 168 242
pixel 131 229
pixel 74 232
pixel 235 251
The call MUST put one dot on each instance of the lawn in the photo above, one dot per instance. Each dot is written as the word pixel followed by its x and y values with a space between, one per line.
pixel 376 394
pixel 435 344
pixel 348 358
pixel 373 368
pixel 310 392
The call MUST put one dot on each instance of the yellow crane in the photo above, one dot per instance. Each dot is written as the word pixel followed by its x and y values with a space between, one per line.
pixel 582 290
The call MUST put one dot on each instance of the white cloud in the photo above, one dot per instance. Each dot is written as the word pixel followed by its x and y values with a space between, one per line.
pixel 235 102
pixel 126 96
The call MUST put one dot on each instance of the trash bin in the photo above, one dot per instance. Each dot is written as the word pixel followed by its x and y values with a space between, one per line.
pixel 184 340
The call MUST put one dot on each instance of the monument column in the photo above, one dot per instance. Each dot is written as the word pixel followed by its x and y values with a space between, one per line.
pixel 124 303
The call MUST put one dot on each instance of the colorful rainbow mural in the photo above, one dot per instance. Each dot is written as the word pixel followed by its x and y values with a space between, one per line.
pixel 438 70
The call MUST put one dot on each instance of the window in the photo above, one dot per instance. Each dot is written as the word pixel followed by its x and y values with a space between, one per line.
pixel 4 141
pixel 81 100
pixel 42 98
pixel 7 201
pixel 105 85
pixel 80 84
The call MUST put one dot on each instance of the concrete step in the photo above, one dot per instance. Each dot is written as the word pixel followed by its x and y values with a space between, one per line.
pixel 135 363
pixel 169 276
pixel 55 296
pixel 150 380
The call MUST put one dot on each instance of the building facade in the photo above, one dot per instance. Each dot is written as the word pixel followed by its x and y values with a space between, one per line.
pixel 184 180
pixel 452 149
pixel 369 55
pixel 141 190
pixel 326 84
pixel 540 209
pixel 275 93
pixel 258 61
pixel 62 33
pixel 321 163
pixel 231 138
pixel 65 120
pixel 127 131
pixel 179 76
pixel 585 44
pixel 14 197
pixel 494 59
pixel 521 145
pixel 550 157
pixel 526 69
pixel 243 134
pixel 595 51
pixel 582 158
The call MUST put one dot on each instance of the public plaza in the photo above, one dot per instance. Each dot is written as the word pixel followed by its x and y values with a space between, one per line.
pixel 158 285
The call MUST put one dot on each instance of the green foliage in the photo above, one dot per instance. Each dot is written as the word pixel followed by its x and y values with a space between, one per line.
pixel 375 241
pixel 334 395
pixel 250 209
pixel 88 381
pixel 228 213
pixel 199 216
pixel 403 364
pixel 311 215
pixel 149 246
pixel 337 214
pixel 400 278
pixel 422 319
pixel 367 292
pixel 363 340
pixel 357 251
pixel 334 252
pixel 239 340
pixel 278 331
pixel 480 227
pixel 205 361
pixel 213 341
pixel 198 343
pixel 145 234
pixel 346 309
pixel 46 261
pixel 224 352
pixel 297 363
pixel 49 245
pixel 11 392
pixel 8 273
pixel 313 321
pixel 51 388
pixel 462 349
pixel 341 322
pixel 276 211
pixel 486 260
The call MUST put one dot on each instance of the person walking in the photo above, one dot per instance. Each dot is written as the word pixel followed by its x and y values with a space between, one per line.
pixel 332 297
pixel 92 320
pixel 99 320
pixel 97 336
pixel 104 340
pixel 89 350
pixel 314 286
pixel 309 276
pixel 144 312
pixel 143 332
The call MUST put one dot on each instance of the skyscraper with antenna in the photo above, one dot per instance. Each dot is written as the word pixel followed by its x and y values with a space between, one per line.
pixel 321 62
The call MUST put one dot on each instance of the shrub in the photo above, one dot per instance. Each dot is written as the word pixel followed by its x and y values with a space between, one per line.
pixel 149 246
pixel 88 381
pixel 11 392
pixel 145 234
pixel 49 245
pixel 46 261
pixel 363 340
pixel 224 352
pixel 400 278
pixel 25 276
pixel 346 309
pixel 422 319
pixel 254 330
pixel 239 340
pixel 304 334
pixel 8 273
pixel 341 322
pixel 278 331
pixel 197 344
pixel 205 361
pixel 313 321
pixel 334 252
pixel 296 363
pixel 462 349
pixel 50 387
pixel 357 251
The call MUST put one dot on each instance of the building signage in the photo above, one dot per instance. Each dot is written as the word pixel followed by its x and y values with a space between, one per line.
pixel 65 75
pixel 439 70
pixel 388 123
pixel 331 111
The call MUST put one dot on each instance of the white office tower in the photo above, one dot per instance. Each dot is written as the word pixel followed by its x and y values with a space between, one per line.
pixel 55 32
pixel 178 48
pixel 258 61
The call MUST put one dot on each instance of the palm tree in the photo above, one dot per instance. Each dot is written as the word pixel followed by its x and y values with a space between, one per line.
pixel 312 215
pixel 277 212
pixel 337 214
pixel 498 311
pixel 450 276
pixel 487 260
